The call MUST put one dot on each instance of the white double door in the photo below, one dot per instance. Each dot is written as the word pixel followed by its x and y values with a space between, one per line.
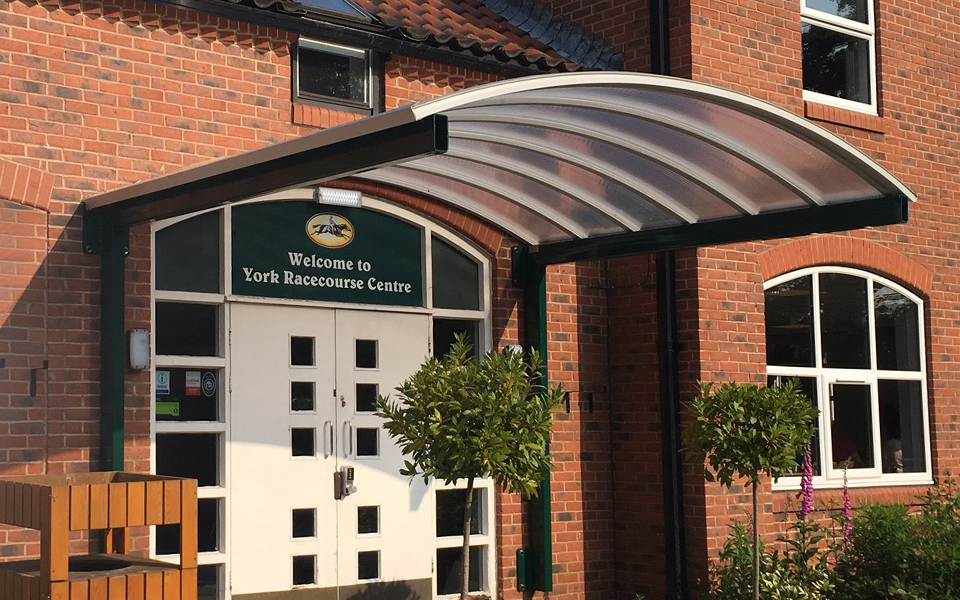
pixel 304 383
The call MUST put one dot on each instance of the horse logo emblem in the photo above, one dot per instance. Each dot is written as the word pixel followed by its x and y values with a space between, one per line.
pixel 330 230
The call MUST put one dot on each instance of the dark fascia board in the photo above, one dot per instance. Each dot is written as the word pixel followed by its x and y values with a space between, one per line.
pixel 424 137
pixel 387 41
pixel 886 210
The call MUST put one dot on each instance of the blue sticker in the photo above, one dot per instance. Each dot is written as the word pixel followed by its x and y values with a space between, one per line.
pixel 209 384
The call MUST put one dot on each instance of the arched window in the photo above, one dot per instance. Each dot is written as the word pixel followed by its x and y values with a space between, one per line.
pixel 855 342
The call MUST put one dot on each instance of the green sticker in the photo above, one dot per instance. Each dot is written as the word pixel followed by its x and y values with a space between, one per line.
pixel 168 409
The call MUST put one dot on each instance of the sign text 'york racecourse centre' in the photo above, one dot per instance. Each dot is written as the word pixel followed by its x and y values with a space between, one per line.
pixel 307 251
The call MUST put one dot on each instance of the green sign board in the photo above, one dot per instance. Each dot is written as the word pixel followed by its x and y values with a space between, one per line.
pixel 310 251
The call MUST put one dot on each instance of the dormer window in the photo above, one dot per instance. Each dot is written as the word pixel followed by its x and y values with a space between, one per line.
pixel 334 76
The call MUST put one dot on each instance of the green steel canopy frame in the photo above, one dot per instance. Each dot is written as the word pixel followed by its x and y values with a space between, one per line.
pixel 573 166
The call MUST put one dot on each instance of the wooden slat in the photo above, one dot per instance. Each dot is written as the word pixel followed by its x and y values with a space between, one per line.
pixel 136 503
pixel 80 590
pixel 36 515
pixel 99 505
pixel 117 588
pixel 6 584
pixel 60 590
pixel 171 501
pixel 188 524
pixel 154 503
pixel 31 587
pixel 171 585
pixel 136 586
pixel 3 504
pixel 118 505
pixel 10 493
pixel 27 514
pixel 79 509
pixel 153 586
pixel 54 535
pixel 98 589
pixel 188 584
pixel 18 588
pixel 18 504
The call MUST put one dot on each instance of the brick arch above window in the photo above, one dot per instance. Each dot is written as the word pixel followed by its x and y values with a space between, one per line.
pixel 832 249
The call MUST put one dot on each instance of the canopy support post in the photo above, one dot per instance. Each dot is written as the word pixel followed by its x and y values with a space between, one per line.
pixel 532 277
pixel 114 246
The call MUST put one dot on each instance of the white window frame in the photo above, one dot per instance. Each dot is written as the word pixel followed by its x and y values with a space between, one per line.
pixel 866 31
pixel 367 106
pixel 831 477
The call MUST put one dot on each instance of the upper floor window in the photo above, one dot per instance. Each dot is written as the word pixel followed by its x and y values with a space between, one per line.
pixel 337 76
pixel 855 343
pixel 839 58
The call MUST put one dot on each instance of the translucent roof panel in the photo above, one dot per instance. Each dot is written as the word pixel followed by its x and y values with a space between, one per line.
pixel 564 158
pixel 340 8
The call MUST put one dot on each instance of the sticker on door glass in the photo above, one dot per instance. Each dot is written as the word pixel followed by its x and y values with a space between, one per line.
pixel 192 383
pixel 209 384
pixel 163 382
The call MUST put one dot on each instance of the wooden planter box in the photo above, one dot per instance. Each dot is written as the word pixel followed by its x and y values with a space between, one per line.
pixel 113 501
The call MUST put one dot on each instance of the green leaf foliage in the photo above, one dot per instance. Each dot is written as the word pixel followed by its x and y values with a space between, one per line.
pixel 745 430
pixel 459 417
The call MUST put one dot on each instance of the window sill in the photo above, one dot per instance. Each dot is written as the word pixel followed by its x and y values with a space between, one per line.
pixel 825 499
pixel 318 116
pixel 840 116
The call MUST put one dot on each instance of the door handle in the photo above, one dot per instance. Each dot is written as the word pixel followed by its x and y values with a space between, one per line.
pixel 347 438
pixel 327 438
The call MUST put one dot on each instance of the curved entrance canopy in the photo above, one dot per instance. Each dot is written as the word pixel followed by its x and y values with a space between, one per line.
pixel 581 164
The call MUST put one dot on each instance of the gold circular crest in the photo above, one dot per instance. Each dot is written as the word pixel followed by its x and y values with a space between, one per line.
pixel 330 230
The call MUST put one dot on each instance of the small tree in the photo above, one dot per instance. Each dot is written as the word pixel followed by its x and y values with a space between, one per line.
pixel 749 431
pixel 460 418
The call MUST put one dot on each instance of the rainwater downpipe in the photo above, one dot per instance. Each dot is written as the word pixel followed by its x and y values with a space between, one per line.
pixel 667 355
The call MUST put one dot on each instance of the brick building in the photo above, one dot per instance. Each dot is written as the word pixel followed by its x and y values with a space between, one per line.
pixel 781 120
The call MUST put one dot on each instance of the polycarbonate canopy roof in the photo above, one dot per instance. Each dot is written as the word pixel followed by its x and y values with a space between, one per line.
pixel 577 156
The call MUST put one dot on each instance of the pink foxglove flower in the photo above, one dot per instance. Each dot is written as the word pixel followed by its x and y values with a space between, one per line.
pixel 847 517
pixel 806 486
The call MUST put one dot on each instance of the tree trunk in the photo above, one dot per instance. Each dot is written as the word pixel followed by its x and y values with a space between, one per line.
pixel 465 561
pixel 756 547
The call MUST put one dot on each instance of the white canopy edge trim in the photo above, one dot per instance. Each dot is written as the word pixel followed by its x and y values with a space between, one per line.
pixel 830 143
pixel 655 154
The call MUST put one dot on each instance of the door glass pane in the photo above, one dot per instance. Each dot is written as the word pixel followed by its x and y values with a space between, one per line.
pixel 367 441
pixel 450 505
pixel 303 441
pixel 788 313
pixel 188 255
pixel 304 570
pixel 444 331
pixel 852 428
pixel 187 394
pixel 301 351
pixel 192 455
pixel 304 522
pixel 366 357
pixel 367 397
pixel 302 396
pixel 843 321
pixel 368 519
pixel 897 320
pixel 208 582
pixel 456 277
pixel 187 329
pixel 449 568
pixel 208 530
pixel 902 448
pixel 368 564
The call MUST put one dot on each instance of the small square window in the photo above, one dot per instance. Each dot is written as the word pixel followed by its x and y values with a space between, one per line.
pixel 302 396
pixel 334 75
pixel 304 570
pixel 366 354
pixel 367 397
pixel 367 441
pixel 368 564
pixel 368 519
pixel 303 441
pixel 304 522
pixel 301 351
